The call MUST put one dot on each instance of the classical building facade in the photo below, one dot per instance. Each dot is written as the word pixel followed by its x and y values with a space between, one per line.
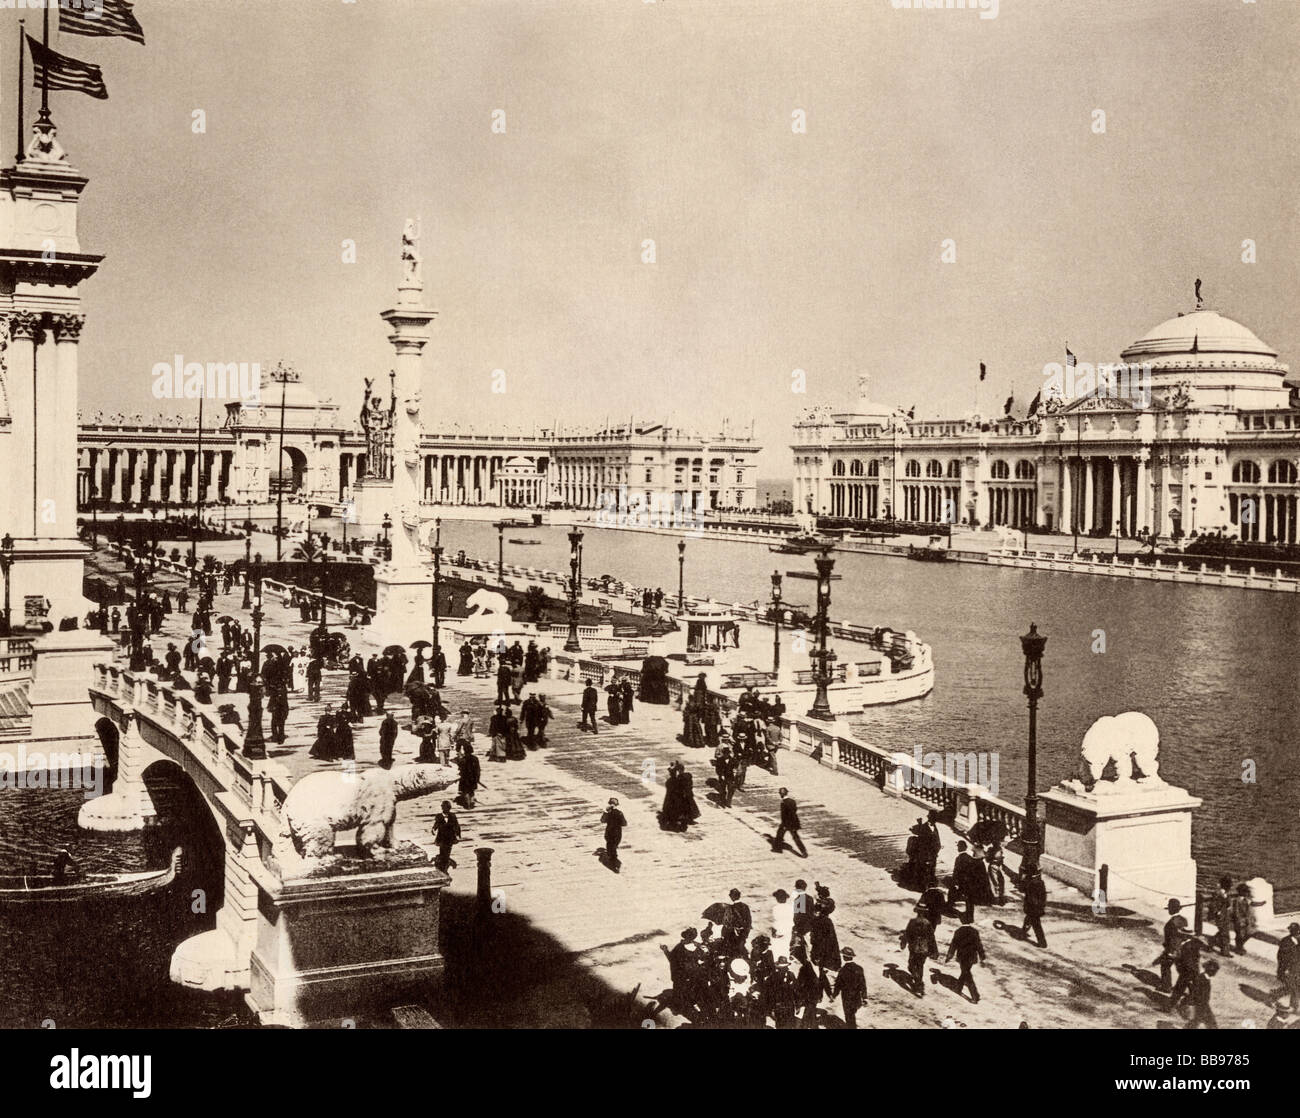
pixel 133 459
pixel 1212 443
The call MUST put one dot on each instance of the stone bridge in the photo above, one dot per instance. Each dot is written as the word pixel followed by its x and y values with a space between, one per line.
pixel 304 948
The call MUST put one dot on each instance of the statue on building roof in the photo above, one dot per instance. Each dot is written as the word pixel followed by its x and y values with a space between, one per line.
pixel 1200 303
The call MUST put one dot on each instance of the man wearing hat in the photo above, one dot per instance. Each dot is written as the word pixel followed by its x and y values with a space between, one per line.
pixel 918 938
pixel 1288 965
pixel 614 821
pixel 969 949
pixel 782 995
pixel 1175 933
pixel 850 987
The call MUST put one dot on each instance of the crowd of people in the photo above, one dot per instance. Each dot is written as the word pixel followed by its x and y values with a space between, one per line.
pixel 731 973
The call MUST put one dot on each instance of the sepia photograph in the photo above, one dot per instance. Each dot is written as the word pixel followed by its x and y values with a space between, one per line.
pixel 610 515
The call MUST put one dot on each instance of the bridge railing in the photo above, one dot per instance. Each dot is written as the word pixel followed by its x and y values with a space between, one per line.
pixel 962 804
pixel 176 714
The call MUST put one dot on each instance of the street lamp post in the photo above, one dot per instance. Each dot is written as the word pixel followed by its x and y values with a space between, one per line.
pixel 387 526
pixel 153 538
pixel 501 552
pixel 138 659
pixel 821 655
pixel 324 558
pixel 6 562
pixel 575 542
pixel 776 622
pixel 681 576
pixel 248 561
pixel 1032 645
pixel 254 739
pixel 1117 531
pixel 198 492
pixel 437 572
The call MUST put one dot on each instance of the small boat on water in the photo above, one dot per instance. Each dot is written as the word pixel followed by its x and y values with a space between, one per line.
pixel 801 545
pixel 525 543
pixel 42 888
pixel 931 553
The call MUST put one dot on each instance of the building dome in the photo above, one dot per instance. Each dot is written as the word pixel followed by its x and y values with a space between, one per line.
pixel 1196 333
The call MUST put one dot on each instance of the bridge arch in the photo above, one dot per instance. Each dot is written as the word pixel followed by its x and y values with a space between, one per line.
pixel 184 818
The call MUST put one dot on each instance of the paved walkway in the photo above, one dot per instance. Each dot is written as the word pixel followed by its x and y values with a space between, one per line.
pixel 541 817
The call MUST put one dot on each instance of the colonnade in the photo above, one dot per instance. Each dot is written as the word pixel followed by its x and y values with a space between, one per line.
pixel 145 475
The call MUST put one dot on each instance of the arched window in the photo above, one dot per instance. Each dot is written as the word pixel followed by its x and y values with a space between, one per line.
pixel 1024 470
pixel 912 469
pixel 954 468
pixel 837 470
pixel 934 468
pixel 873 468
pixel 1000 469
pixel 855 467
pixel 1245 473
pixel 1281 472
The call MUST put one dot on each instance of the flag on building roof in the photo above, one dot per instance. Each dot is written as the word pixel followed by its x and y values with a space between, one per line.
pixel 102 18
pixel 1033 405
pixel 983 371
pixel 1006 408
pixel 62 72
pixel 1070 359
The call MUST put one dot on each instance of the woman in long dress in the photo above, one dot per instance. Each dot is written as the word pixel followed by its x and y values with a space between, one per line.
pixel 782 922
pixel 514 744
pixel 497 732
pixel 299 665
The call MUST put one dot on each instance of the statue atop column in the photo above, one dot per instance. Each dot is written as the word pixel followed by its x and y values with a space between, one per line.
pixel 378 426
pixel 411 259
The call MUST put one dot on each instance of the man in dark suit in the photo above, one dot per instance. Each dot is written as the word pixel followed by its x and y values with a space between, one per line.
pixel 278 708
pixel 790 823
pixel 968 948
pixel 590 704
pixel 1175 932
pixel 446 833
pixel 918 938
pixel 614 823
pixel 314 668
pixel 960 868
pixel 851 988
pixel 1035 891
pixel 1288 965
pixel 933 844
pixel 503 682
pixel 387 738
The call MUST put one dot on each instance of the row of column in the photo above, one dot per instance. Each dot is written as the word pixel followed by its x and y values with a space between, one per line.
pixel 1013 506
pixel 141 475
pixel 855 499
pixel 1264 517
pixel 938 504
pixel 1108 492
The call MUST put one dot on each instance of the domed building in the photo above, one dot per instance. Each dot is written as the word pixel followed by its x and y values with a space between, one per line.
pixel 1197 430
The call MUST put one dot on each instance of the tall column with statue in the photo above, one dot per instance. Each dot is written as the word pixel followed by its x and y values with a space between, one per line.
pixel 402 584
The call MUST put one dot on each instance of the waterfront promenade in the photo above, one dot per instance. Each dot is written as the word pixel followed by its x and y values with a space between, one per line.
pixel 589 929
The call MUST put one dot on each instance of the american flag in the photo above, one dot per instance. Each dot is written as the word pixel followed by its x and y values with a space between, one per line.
pixel 62 72
pixel 107 17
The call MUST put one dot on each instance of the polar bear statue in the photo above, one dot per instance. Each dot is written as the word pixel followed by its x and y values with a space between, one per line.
pixel 484 602
pixel 1119 751
pixel 324 803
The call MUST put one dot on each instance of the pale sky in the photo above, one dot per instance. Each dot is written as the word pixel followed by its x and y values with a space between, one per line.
pixel 671 120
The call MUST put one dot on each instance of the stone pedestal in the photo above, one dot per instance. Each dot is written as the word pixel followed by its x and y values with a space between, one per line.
pixel 62 664
pixel 403 604
pixel 1142 832
pixel 334 947
pixel 372 499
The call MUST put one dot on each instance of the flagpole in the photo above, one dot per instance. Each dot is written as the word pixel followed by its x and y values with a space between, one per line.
pixel 45 72
pixel 22 50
